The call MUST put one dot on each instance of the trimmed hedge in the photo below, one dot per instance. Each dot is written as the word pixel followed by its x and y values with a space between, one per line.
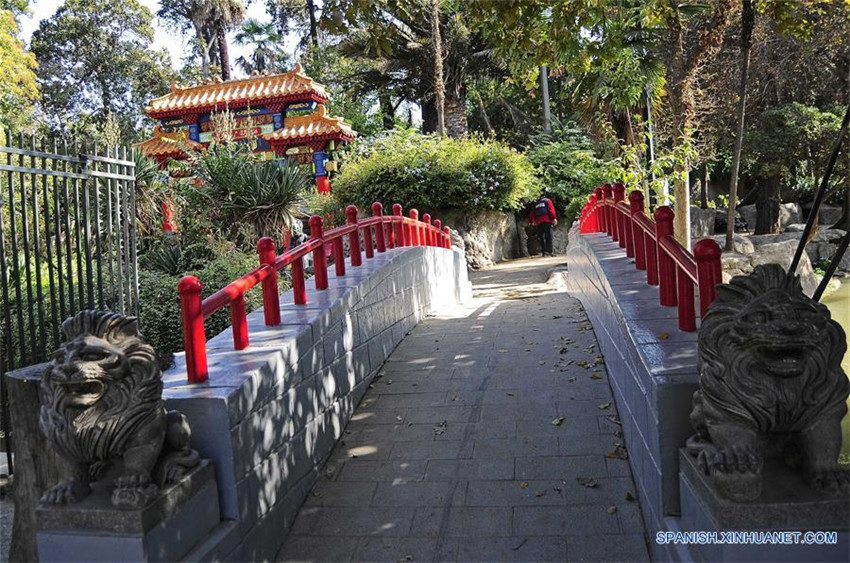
pixel 432 172
pixel 160 315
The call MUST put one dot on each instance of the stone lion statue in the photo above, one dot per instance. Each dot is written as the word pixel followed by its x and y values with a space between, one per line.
pixel 771 385
pixel 101 402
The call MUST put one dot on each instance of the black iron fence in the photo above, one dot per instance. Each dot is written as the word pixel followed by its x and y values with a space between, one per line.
pixel 67 243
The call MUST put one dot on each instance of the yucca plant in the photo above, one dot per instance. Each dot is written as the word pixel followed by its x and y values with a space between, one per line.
pixel 268 197
pixel 264 195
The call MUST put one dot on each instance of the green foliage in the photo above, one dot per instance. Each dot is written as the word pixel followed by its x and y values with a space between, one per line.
pixel 240 190
pixel 94 59
pixel 430 172
pixel 174 258
pixel 18 87
pixel 792 142
pixel 161 320
pixel 567 168
pixel 267 45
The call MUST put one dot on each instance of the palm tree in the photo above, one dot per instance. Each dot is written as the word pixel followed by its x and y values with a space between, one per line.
pixel 224 16
pixel 266 44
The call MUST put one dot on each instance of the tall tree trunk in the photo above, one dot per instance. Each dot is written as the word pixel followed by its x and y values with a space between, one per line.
pixel 544 90
pixel 387 109
pixel 429 116
pixel 748 21
pixel 223 55
pixel 767 207
pixel 844 222
pixel 703 192
pixel 204 48
pixel 314 30
pixel 488 128
pixel 683 68
pixel 455 118
pixel 439 85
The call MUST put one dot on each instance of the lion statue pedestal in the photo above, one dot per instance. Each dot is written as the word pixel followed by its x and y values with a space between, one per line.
pixel 126 484
pixel 767 420
pixel 177 521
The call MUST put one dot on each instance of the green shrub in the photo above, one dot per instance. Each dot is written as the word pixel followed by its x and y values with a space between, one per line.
pixel 568 169
pixel 160 315
pixel 429 172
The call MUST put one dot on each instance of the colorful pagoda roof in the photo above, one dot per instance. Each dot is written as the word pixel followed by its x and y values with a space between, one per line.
pixel 167 145
pixel 316 126
pixel 255 90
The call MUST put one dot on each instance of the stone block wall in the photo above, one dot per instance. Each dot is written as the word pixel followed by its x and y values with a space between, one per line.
pixel 652 367
pixel 270 415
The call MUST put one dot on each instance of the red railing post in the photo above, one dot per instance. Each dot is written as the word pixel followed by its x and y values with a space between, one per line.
pixel 651 246
pixel 598 213
pixel 354 237
pixel 635 207
pixel 380 242
pixel 369 245
pixel 607 197
pixel 239 322
pixel 414 228
pixel 399 230
pixel 271 298
pixel 666 264
pixel 438 234
pixel 194 338
pixel 709 271
pixel 339 256
pixel 299 289
pixel 620 219
pixel 685 291
pixel 426 236
pixel 447 240
pixel 320 262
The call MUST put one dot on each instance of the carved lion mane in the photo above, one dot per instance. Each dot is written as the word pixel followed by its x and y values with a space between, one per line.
pixel 771 385
pixel 770 356
pixel 101 387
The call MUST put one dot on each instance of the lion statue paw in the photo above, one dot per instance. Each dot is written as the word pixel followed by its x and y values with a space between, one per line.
pixel 66 492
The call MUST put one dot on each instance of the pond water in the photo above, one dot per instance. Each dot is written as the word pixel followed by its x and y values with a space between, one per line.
pixel 839 305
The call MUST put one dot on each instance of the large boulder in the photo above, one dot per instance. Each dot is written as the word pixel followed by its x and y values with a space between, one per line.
pixel 789 214
pixel 487 237
pixel 829 214
pixel 702 222
pixel 735 264
pixel 740 244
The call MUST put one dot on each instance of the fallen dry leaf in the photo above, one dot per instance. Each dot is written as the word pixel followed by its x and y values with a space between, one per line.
pixel 523 485
pixel 588 482
pixel 540 493
pixel 604 406
pixel 664 336
pixel 612 509
pixel 558 421
pixel 596 375
pixel 630 497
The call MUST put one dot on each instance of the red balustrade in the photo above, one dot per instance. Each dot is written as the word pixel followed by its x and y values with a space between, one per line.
pixel 378 232
pixel 669 265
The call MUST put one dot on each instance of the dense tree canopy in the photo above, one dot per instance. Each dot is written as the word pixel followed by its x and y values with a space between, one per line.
pixel 95 59
pixel 18 86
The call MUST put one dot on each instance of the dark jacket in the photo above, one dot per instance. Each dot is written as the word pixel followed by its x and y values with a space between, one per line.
pixel 542 212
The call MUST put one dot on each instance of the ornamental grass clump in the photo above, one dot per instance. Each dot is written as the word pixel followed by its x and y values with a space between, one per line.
pixel 431 172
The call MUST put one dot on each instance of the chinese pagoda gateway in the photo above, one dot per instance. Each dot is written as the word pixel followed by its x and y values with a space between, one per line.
pixel 282 115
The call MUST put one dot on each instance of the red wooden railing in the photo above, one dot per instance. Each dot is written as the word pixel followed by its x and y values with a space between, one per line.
pixel 390 231
pixel 668 264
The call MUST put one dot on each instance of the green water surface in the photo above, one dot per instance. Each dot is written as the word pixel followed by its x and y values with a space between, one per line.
pixel 839 306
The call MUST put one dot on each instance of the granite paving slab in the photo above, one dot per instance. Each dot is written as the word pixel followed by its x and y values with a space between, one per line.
pixel 488 435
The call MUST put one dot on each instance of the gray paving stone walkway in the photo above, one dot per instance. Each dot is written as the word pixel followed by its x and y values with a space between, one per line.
pixel 490 435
